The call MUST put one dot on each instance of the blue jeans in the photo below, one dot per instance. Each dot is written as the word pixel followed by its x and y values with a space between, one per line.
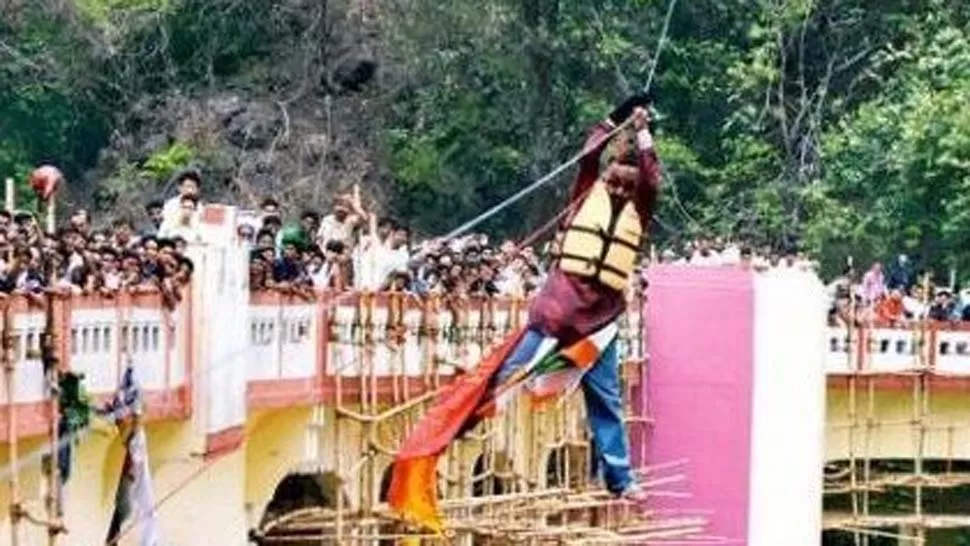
pixel 604 408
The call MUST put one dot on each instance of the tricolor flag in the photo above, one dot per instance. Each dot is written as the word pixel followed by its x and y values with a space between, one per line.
pixel 134 499
pixel 562 372
pixel 413 491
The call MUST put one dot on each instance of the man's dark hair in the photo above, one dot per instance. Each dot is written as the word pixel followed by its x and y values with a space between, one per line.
pixel 269 202
pixel 192 198
pixel 386 222
pixel 336 246
pixel 186 263
pixel 314 215
pixel 122 222
pixel 154 204
pixel 188 174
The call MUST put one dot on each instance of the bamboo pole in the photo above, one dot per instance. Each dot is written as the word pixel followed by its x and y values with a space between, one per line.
pixel 867 446
pixel 853 412
pixel 9 369
pixel 337 430
pixel 368 384
pixel 10 197
pixel 52 368
pixel 920 404
pixel 51 220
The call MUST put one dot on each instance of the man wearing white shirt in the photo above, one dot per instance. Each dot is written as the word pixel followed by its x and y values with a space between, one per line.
pixel 188 182
pixel 393 255
pixel 185 224
pixel 340 225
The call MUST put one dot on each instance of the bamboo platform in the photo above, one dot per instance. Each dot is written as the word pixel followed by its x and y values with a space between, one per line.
pixel 550 516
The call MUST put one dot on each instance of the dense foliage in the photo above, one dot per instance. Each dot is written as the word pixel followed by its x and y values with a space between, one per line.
pixel 821 123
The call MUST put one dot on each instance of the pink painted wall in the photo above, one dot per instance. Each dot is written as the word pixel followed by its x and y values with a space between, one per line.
pixel 700 341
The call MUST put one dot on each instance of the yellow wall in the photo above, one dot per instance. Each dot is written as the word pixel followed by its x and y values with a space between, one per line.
pixel 229 496
pixel 89 495
pixel 893 434
pixel 274 447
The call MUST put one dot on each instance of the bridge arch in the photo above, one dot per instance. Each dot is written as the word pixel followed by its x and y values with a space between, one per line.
pixel 297 493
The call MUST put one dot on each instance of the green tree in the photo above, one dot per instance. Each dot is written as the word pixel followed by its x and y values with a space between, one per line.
pixel 896 169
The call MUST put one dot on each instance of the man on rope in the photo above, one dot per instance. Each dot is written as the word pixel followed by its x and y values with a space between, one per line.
pixel 570 338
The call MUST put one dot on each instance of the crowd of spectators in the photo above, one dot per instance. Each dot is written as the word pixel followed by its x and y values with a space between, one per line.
pixel 80 258
pixel 895 296
pixel 720 252
pixel 351 248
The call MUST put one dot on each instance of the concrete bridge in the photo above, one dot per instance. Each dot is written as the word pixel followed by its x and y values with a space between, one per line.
pixel 262 403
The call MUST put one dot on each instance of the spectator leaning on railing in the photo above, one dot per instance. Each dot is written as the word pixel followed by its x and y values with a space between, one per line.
pixel 82 257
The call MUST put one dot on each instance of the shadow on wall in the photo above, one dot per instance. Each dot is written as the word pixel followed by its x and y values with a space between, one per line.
pixel 297 492
pixel 388 528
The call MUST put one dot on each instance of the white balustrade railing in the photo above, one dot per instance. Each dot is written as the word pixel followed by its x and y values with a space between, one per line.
pixel 309 345
pixel 939 348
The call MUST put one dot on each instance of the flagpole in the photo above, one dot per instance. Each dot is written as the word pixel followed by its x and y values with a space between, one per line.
pixel 8 370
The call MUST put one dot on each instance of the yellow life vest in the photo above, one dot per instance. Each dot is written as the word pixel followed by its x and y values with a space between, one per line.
pixel 600 242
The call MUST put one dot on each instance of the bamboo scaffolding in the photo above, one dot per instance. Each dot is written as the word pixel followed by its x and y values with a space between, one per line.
pixel 522 526
pixel 513 513
pixel 18 512
pixel 863 478
pixel 522 496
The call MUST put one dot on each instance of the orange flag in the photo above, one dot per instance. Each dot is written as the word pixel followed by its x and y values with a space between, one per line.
pixel 413 492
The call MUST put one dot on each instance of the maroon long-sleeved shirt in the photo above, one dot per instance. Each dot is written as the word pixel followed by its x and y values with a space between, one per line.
pixel 571 307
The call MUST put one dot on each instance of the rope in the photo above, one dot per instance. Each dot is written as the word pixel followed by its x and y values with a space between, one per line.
pixel 529 240
pixel 464 228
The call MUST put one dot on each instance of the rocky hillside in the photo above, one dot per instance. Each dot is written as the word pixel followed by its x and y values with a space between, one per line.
pixel 291 122
pixel 826 124
pixel 269 99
